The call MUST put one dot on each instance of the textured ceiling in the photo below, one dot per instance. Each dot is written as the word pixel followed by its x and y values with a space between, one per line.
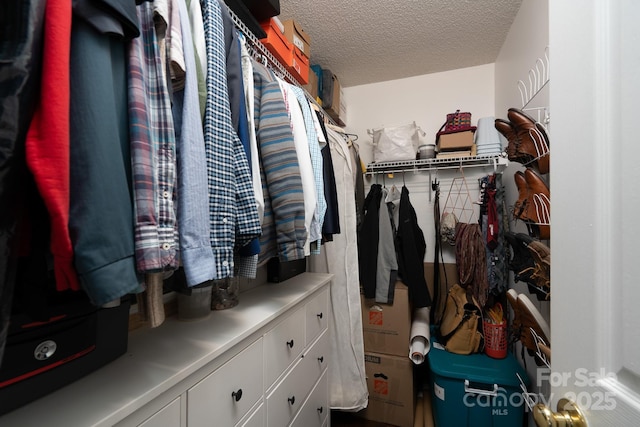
pixel 378 40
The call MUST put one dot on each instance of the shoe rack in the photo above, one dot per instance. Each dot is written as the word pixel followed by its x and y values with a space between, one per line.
pixel 534 244
pixel 537 79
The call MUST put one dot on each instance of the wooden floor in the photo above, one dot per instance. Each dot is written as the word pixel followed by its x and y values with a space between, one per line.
pixel 348 419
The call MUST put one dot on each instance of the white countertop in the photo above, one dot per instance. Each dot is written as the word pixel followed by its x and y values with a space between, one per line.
pixel 158 359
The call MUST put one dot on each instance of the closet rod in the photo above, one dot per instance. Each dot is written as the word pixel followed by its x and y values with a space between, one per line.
pixel 273 63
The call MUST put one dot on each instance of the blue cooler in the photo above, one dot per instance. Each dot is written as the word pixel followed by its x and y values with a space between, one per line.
pixel 475 390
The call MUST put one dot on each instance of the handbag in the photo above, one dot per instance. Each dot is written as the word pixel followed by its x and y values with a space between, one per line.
pixel 456 122
pixel 461 321
pixel 396 143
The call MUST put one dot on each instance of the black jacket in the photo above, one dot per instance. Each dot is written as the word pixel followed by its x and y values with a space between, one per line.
pixel 411 248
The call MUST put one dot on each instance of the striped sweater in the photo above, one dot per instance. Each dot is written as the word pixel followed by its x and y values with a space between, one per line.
pixel 283 230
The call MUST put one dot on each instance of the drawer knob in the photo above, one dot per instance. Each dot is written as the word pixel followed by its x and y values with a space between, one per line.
pixel 320 409
pixel 319 315
pixel 321 359
pixel 292 400
pixel 290 344
pixel 237 395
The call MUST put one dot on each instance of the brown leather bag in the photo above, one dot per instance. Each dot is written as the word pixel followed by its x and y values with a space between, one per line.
pixel 459 329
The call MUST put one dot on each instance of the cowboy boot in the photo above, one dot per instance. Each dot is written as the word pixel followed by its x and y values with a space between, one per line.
pixel 506 129
pixel 533 138
pixel 538 211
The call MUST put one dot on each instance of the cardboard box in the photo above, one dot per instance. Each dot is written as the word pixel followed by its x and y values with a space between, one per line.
pixel 456 141
pixel 312 85
pixel 454 154
pixel 332 97
pixel 276 42
pixel 297 36
pixel 386 327
pixel 298 66
pixel 391 389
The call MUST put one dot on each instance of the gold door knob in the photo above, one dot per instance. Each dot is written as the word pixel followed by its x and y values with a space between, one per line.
pixel 568 415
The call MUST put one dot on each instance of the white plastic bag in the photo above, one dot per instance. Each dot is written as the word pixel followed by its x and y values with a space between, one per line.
pixel 396 143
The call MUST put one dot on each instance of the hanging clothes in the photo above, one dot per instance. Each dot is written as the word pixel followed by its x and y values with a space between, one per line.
pixel 283 231
pixel 411 251
pixel 153 159
pixel 101 207
pixel 347 377
pixel 200 50
pixel 315 232
pixel 494 220
pixel 254 159
pixel 193 215
pixel 376 248
pixel 304 159
pixel 19 76
pixel 387 263
pixel 331 223
pixel 47 144
pixel 233 216
pixel 368 236
pixel 153 151
pixel 246 257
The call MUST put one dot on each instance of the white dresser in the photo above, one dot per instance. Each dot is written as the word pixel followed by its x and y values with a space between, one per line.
pixel 261 364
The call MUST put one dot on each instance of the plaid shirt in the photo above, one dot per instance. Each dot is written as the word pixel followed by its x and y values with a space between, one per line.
pixel 232 209
pixel 153 152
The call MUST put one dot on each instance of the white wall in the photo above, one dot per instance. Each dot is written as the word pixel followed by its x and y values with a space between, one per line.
pixel 426 100
pixel 526 42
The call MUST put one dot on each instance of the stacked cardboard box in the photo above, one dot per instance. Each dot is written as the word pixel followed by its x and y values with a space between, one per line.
pixel 454 145
pixel 388 368
pixel 283 40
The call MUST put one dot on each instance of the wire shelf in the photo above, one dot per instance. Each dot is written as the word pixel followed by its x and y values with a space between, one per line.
pixel 435 164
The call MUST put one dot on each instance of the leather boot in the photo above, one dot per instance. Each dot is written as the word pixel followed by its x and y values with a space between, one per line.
pixel 541 276
pixel 533 139
pixel 531 319
pixel 520 207
pixel 506 129
pixel 538 204
pixel 527 317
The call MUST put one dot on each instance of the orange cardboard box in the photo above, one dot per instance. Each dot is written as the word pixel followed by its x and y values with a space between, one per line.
pixel 298 66
pixel 276 42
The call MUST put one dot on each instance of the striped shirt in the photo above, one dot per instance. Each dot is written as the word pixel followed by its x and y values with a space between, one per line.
pixel 283 230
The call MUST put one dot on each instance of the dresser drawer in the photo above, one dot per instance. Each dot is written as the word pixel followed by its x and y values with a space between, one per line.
pixel 316 358
pixel 283 345
pixel 287 397
pixel 169 416
pixel 227 394
pixel 314 411
pixel 289 394
pixel 317 312
pixel 256 419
